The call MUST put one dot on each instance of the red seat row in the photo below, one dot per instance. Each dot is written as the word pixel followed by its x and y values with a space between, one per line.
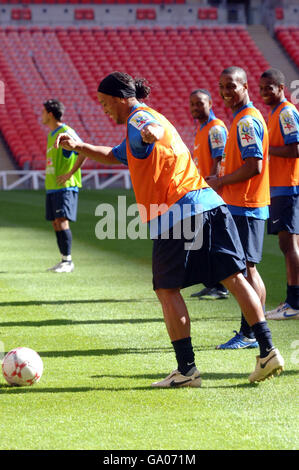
pixel 289 39
pixel 207 14
pixel 146 14
pixel 21 14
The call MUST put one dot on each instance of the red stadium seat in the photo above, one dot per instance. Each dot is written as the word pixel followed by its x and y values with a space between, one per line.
pixel 79 14
pixel 26 14
pixel 279 13
pixel 16 14
pixel 202 14
pixel 212 13
pixel 140 14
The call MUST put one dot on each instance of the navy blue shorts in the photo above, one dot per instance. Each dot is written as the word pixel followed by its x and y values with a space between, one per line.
pixel 284 215
pixel 219 255
pixel 251 232
pixel 62 204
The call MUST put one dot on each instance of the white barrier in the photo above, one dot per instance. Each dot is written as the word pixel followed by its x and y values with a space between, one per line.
pixel 35 179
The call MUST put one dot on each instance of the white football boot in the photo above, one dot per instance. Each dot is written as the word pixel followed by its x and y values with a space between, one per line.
pixel 63 267
pixel 267 367
pixel 176 380
pixel 283 312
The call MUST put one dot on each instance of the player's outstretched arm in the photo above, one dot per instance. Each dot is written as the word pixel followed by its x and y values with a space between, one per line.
pixel 94 152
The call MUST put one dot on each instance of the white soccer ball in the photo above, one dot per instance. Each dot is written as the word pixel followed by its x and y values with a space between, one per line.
pixel 22 366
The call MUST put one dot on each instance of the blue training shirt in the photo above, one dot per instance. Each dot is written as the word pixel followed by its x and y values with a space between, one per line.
pixel 217 137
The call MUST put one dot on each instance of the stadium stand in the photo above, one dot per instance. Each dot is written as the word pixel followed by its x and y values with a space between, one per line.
pixel 67 63
pixel 98 2
pixel 289 39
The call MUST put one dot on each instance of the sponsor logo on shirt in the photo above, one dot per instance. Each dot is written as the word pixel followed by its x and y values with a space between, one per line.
pixel 246 132
pixel 216 137
pixel 287 121
pixel 139 120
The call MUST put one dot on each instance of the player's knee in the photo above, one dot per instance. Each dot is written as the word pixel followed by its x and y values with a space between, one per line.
pixel 287 243
pixel 165 294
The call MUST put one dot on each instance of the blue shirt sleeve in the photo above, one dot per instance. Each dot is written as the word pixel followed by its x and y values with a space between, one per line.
pixel 136 123
pixel 250 137
pixel 289 125
pixel 74 135
pixel 217 140
pixel 120 152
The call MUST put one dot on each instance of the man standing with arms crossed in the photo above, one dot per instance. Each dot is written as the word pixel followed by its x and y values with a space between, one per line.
pixel 164 175
pixel 283 126
pixel 244 185
pixel 209 145
pixel 63 179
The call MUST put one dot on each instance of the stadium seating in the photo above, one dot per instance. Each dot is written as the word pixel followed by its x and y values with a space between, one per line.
pixel 289 38
pixel 99 2
pixel 68 63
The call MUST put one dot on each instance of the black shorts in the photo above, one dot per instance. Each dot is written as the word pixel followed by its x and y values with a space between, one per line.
pixel 284 215
pixel 62 204
pixel 218 256
pixel 251 232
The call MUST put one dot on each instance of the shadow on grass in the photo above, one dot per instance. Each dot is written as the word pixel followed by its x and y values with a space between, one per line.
pixel 6 389
pixel 115 352
pixel 27 303
pixel 112 321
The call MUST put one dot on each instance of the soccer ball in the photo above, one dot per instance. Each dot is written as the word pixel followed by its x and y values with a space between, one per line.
pixel 22 366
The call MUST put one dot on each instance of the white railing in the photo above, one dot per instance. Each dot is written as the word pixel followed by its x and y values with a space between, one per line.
pixel 35 179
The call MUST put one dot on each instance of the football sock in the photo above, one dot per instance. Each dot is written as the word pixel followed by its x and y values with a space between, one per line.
pixel 58 238
pixel 263 337
pixel 293 296
pixel 245 329
pixel 66 242
pixel 184 354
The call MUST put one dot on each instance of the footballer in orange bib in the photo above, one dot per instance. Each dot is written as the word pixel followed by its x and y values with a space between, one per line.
pixel 283 125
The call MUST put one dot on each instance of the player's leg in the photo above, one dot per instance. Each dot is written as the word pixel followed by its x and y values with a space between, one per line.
pixel 50 216
pixel 65 209
pixel 270 360
pixel 289 309
pixel 177 322
pixel 251 233
pixel 255 280
pixel 284 221
pixel 169 258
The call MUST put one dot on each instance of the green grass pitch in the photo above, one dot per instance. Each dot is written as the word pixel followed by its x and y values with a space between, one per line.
pixel 100 333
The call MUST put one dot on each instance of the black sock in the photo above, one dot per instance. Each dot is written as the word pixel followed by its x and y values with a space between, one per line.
pixel 263 336
pixel 245 329
pixel 221 287
pixel 58 238
pixel 293 296
pixel 66 242
pixel 184 354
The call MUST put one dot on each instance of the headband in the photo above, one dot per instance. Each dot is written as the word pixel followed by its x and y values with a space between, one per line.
pixel 112 86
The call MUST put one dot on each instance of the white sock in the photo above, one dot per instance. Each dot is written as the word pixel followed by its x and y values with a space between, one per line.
pixel 67 258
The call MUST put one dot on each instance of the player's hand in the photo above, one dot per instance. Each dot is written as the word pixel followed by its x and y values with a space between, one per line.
pixel 66 142
pixel 62 179
pixel 214 182
pixel 152 133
